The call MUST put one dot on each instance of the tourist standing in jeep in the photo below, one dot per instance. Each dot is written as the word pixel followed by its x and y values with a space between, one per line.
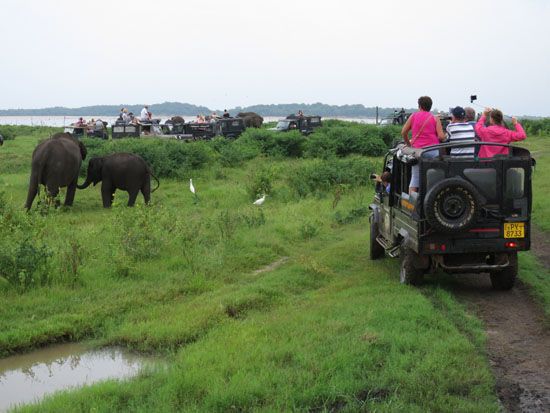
pixel 426 131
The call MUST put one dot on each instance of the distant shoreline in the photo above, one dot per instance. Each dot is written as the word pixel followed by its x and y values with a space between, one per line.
pixel 187 109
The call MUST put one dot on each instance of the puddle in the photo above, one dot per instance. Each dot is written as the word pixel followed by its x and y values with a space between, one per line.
pixel 28 377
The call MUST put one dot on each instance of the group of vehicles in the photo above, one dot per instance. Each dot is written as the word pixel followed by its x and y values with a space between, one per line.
pixel 230 128
pixel 469 216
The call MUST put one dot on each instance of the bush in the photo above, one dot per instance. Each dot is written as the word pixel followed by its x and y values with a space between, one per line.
pixel 342 141
pixel 24 256
pixel 272 143
pixel 536 126
pixel 167 158
pixel 321 175
pixel 234 153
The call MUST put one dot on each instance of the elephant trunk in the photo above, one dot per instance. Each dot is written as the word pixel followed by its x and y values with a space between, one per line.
pixel 84 185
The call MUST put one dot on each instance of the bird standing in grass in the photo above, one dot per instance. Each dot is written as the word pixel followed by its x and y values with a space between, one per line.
pixel 260 201
pixel 192 189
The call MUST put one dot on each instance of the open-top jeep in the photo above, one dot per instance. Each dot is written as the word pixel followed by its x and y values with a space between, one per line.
pixel 470 215
pixel 304 124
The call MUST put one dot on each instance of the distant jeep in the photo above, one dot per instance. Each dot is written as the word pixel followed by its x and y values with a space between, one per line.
pixel 304 124
pixel 470 215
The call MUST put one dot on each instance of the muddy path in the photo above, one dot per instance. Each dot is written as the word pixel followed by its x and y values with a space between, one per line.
pixel 518 341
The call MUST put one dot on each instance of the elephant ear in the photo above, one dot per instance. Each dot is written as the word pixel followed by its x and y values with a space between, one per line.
pixel 83 151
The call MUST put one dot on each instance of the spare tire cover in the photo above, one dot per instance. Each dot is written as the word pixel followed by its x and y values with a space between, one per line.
pixel 452 205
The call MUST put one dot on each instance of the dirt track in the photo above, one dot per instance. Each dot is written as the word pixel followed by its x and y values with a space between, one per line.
pixel 518 342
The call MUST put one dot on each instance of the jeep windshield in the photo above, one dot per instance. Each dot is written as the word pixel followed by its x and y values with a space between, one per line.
pixel 282 125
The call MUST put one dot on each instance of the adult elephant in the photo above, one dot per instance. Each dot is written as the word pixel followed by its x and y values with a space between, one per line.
pixel 121 170
pixel 251 119
pixel 56 163
pixel 177 119
pixel 1 140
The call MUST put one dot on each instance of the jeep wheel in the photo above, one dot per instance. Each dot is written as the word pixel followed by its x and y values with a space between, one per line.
pixel 505 279
pixel 376 250
pixel 452 205
pixel 408 273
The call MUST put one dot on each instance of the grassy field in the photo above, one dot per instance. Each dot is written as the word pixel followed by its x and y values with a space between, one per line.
pixel 186 278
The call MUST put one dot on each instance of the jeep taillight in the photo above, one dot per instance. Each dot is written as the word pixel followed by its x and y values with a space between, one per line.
pixel 436 247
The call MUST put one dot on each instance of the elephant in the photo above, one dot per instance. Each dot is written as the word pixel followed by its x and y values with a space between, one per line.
pixel 1 140
pixel 177 119
pixel 125 171
pixel 56 163
pixel 251 119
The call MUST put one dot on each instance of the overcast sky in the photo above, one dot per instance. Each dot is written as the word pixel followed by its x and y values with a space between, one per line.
pixel 228 53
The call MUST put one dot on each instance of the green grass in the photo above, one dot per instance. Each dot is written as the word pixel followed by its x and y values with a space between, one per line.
pixel 328 329
pixel 531 271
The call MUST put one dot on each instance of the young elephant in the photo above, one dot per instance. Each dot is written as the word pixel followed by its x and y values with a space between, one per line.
pixel 124 171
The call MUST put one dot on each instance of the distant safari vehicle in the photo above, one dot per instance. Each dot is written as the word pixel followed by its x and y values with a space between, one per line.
pixel 84 131
pixel 304 124
pixel 125 130
pixel 227 127
pixel 470 215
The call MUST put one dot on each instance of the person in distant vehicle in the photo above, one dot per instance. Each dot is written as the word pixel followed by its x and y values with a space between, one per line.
pixel 426 130
pixel 226 114
pixel 126 116
pixel 300 114
pixel 144 115
pixel 496 132
pixel 80 122
pixel 460 131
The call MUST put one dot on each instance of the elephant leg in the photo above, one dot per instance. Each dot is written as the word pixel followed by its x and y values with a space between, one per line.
pixel 146 191
pixel 132 198
pixel 71 190
pixel 33 189
pixel 107 194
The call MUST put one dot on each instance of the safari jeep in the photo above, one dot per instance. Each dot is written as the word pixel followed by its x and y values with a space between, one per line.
pixel 470 215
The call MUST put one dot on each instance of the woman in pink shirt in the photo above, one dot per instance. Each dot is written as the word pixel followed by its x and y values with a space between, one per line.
pixel 426 130
pixel 497 133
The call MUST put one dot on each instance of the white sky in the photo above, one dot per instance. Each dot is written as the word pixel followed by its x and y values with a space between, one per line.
pixel 223 53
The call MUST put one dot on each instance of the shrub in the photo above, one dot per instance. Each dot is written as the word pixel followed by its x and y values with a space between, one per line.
pixel 24 256
pixel 260 182
pixel 322 175
pixel 536 126
pixel 342 141
pixel 167 158
pixel 271 143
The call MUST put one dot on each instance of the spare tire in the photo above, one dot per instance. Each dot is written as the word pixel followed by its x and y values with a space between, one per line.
pixel 452 205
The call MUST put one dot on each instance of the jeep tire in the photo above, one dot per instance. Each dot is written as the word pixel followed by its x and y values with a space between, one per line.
pixel 376 250
pixel 505 279
pixel 409 273
pixel 452 205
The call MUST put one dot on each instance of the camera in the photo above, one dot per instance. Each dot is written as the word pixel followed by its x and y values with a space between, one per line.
pixel 373 176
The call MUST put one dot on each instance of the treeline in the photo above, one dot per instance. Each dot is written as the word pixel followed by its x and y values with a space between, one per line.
pixel 187 109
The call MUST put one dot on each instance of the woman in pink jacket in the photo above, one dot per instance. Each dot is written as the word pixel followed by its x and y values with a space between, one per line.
pixel 497 133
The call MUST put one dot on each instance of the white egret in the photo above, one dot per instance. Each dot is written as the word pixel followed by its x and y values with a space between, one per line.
pixel 191 187
pixel 260 201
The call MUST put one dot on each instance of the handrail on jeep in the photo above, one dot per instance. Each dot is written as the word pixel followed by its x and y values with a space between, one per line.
pixel 419 152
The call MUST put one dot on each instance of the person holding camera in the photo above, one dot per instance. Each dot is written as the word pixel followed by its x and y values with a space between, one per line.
pixel 496 132
pixel 384 180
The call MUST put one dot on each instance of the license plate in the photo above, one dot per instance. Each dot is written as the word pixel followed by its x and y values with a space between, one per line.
pixel 514 230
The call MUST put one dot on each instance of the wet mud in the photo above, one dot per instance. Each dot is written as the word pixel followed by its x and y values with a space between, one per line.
pixel 518 341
